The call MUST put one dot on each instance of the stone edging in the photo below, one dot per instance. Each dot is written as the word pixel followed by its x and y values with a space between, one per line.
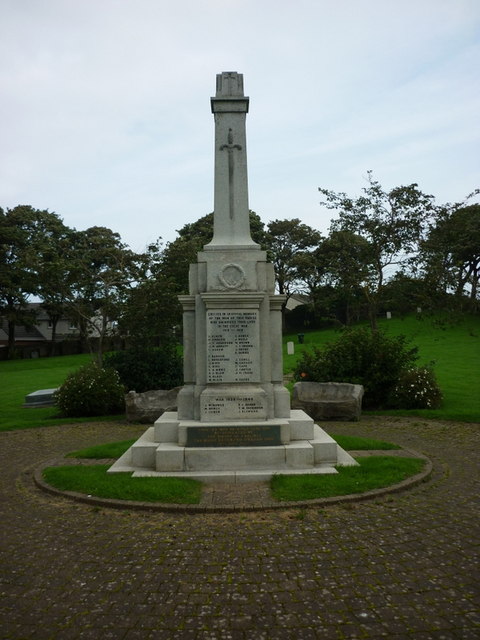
pixel 202 509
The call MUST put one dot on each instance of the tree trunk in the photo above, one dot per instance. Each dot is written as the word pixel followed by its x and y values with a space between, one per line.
pixel 53 343
pixel 11 340
pixel 371 308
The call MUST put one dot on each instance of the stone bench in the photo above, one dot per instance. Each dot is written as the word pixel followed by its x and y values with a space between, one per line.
pixel 328 400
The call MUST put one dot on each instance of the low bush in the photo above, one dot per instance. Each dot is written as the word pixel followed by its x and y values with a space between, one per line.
pixel 416 388
pixel 91 391
pixel 360 356
pixel 146 369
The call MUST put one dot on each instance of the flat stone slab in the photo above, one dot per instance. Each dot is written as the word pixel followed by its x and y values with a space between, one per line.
pixel 328 400
pixel 41 398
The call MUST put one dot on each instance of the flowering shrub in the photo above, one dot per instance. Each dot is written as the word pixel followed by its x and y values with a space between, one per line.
pixel 91 391
pixel 360 356
pixel 416 389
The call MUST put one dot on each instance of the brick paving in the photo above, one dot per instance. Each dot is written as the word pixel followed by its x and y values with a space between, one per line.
pixel 402 566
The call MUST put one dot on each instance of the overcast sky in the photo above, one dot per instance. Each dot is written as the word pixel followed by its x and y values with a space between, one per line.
pixel 105 104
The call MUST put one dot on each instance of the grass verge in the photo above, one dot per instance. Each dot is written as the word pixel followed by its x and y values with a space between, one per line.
pixel 373 473
pixel 95 481
pixel 356 443
pixel 101 451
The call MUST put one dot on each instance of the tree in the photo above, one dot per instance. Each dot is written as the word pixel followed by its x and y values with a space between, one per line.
pixel 55 266
pixel 404 293
pixel 450 254
pixel 151 312
pixel 393 223
pixel 102 272
pixel 27 251
pixel 289 243
pixel 347 262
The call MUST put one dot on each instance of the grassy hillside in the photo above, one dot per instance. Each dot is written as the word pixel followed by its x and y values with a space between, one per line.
pixel 452 347
pixel 21 377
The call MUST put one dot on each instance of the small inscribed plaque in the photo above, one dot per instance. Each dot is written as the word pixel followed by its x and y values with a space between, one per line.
pixel 267 435
pixel 244 406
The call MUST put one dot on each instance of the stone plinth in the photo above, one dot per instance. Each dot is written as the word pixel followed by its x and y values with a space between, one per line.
pixel 242 451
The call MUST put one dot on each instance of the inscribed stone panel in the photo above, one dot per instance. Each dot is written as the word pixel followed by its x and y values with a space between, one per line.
pixel 232 346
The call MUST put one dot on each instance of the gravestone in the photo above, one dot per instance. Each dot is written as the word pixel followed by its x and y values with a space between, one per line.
pixel 234 421
pixel 41 398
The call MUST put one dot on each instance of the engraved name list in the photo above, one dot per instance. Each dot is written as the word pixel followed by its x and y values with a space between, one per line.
pixel 232 346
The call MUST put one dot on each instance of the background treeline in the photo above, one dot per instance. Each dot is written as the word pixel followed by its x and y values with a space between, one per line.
pixel 394 250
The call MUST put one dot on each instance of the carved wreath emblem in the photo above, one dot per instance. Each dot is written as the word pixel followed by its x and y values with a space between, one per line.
pixel 232 276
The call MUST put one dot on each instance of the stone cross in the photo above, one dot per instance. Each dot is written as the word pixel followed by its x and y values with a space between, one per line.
pixel 230 148
pixel 231 212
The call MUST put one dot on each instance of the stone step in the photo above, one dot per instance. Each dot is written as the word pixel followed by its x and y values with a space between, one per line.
pixel 297 455
pixel 236 477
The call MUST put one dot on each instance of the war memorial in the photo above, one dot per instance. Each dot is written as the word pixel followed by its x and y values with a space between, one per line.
pixel 234 422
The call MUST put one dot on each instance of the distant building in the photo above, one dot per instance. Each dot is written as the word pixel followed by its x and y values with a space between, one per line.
pixel 36 340
pixel 295 300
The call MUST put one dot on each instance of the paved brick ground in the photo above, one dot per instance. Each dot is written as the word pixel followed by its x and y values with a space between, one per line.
pixel 405 566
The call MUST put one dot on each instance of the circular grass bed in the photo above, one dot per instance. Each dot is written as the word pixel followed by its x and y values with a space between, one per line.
pixel 372 472
pixel 94 480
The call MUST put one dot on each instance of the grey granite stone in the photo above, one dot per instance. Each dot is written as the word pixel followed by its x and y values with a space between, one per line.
pixel 149 406
pixel 41 398
pixel 328 400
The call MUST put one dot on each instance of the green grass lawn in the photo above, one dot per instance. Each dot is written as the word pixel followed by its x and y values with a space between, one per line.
pixel 95 481
pixel 454 349
pixel 109 450
pixel 373 473
pixel 21 377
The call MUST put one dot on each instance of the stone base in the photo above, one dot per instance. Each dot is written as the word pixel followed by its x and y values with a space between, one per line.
pixel 232 452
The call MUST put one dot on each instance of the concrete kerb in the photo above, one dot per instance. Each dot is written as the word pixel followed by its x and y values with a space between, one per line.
pixel 405 485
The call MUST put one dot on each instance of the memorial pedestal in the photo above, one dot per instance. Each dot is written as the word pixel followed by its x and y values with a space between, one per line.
pixel 243 451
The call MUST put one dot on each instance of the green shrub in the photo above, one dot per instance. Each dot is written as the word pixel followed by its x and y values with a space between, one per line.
pixel 149 368
pixel 360 356
pixel 91 391
pixel 416 389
